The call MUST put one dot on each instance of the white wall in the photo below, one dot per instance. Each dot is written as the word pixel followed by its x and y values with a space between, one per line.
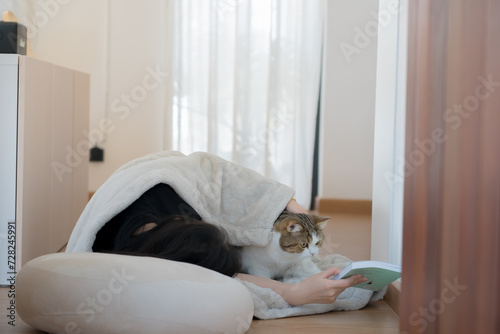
pixel 135 104
pixel 348 100
pixel 74 34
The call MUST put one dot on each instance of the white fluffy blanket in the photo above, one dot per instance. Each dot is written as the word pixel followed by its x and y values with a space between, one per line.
pixel 223 193
pixel 270 305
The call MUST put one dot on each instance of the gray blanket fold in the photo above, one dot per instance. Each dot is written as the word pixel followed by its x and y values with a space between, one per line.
pixel 223 193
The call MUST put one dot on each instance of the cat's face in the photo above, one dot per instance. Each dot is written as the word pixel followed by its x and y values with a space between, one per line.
pixel 300 233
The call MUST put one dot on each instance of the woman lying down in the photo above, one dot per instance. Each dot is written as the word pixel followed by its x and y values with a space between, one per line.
pixel 210 212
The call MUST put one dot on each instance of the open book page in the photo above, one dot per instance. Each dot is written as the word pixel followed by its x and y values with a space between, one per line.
pixel 379 274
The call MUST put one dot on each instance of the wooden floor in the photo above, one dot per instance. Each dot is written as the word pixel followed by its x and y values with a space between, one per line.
pixel 375 319
pixel 346 234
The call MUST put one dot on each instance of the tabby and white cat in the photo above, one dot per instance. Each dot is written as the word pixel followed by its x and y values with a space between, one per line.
pixel 296 237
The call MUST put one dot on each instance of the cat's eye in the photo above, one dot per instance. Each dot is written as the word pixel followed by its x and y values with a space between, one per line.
pixel 303 245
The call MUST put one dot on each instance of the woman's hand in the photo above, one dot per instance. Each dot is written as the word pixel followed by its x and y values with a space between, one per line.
pixel 295 207
pixel 314 289
pixel 319 289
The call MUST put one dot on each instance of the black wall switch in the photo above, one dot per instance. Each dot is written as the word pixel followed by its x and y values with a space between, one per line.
pixel 96 154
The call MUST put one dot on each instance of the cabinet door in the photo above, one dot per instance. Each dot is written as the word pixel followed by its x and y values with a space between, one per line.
pixel 62 150
pixel 80 174
pixel 34 158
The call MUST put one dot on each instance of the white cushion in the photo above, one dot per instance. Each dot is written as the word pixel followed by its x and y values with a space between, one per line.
pixel 109 293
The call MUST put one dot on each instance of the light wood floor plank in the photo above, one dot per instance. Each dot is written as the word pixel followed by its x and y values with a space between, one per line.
pixel 377 318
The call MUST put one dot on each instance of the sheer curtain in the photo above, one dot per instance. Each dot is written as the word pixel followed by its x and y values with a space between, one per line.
pixel 246 77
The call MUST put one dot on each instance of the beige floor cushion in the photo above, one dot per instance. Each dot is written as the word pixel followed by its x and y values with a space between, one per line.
pixel 107 293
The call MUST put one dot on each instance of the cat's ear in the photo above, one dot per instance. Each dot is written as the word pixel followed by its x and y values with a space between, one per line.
pixel 321 221
pixel 293 227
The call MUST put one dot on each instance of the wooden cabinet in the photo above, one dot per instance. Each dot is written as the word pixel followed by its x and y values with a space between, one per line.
pixel 44 116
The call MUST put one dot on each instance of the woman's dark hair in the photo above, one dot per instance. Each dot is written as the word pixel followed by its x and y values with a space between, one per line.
pixel 185 239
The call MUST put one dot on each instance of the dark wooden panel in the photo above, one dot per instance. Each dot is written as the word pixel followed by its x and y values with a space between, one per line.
pixel 451 235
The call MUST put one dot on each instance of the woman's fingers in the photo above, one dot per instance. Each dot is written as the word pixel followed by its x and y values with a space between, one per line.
pixel 356 279
pixel 330 272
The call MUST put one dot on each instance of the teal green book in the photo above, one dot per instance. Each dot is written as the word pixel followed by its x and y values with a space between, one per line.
pixel 379 274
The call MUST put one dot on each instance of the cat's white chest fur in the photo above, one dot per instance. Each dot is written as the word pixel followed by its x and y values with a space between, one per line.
pixel 271 261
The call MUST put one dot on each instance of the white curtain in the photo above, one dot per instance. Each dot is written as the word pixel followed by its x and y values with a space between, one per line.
pixel 246 77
